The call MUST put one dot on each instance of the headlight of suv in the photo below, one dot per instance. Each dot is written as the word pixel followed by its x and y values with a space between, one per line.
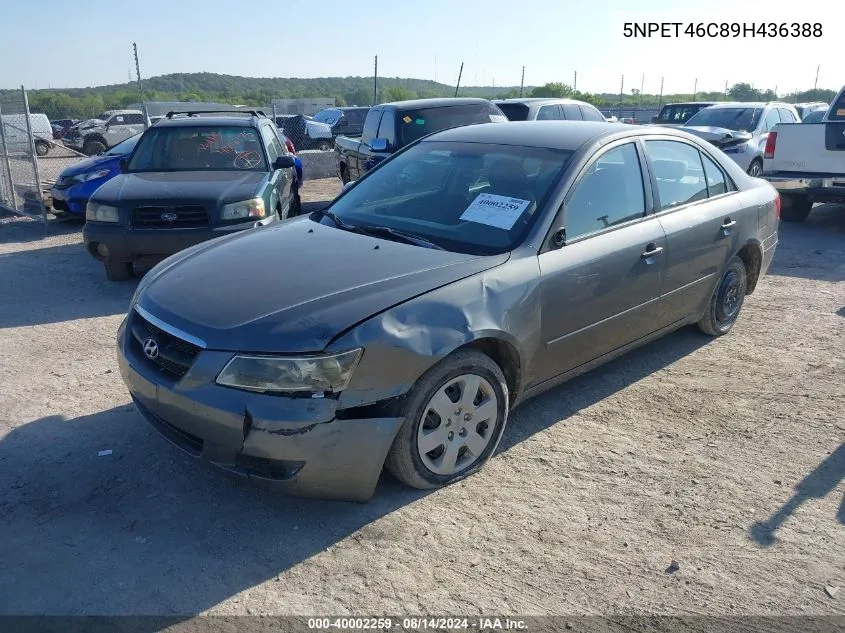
pixel 252 208
pixel 101 212
pixel 315 374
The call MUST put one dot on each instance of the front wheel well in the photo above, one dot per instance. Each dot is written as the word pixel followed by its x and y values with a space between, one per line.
pixel 753 259
pixel 505 356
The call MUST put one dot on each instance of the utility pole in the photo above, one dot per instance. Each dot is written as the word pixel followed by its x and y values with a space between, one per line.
pixel 726 89
pixel 695 89
pixel 660 98
pixel 458 85
pixel 816 83
pixel 522 82
pixel 642 84
pixel 435 69
pixel 375 82
pixel 621 92
pixel 575 83
pixel 140 89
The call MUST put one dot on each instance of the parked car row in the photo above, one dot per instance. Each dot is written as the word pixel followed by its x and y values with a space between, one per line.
pixel 479 263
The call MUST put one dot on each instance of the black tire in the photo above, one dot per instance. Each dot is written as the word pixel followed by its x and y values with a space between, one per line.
pixel 93 147
pixel 727 299
pixel 795 208
pixel 295 206
pixel 344 174
pixel 755 169
pixel 325 145
pixel 42 148
pixel 118 271
pixel 404 461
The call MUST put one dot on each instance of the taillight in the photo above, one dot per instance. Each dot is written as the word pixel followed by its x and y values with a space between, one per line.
pixel 777 206
pixel 771 141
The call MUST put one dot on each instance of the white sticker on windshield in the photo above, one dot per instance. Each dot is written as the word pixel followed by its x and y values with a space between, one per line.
pixel 492 210
pixel 498 118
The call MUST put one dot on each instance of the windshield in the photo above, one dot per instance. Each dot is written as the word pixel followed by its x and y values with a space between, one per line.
pixel 736 119
pixel 328 116
pixel 414 124
pixel 514 111
pixel 465 197
pixel 837 108
pixel 814 117
pixel 206 148
pixel 680 113
pixel 125 147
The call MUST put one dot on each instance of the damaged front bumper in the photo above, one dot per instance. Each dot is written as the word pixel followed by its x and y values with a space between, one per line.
pixel 302 446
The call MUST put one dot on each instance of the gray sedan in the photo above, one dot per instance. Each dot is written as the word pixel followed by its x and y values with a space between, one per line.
pixel 400 325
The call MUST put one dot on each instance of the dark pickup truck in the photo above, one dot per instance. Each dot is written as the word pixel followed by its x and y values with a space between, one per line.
pixel 391 126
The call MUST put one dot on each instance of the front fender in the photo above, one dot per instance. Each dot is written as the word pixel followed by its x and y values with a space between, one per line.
pixel 402 343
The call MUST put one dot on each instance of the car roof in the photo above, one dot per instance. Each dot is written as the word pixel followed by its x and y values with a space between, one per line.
pixel 567 135
pixel 538 100
pixel 749 104
pixel 200 121
pixel 689 103
pixel 441 102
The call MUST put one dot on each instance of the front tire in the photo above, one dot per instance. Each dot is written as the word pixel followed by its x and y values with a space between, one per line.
pixel 727 300
pixel 118 271
pixel 795 208
pixel 454 418
pixel 325 146
pixel 93 147
pixel 41 148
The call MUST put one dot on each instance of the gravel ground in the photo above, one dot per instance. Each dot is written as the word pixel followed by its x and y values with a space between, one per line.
pixel 726 456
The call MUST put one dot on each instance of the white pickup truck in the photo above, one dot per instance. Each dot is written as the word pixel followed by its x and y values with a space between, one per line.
pixel 805 162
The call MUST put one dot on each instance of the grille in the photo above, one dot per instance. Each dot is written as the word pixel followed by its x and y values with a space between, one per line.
pixel 174 217
pixel 175 355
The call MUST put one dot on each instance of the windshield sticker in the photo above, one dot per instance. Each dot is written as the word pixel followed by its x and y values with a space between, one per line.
pixel 407 119
pixel 498 118
pixel 840 112
pixel 501 212
pixel 420 121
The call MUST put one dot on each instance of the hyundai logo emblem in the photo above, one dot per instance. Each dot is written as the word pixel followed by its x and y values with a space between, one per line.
pixel 168 217
pixel 150 349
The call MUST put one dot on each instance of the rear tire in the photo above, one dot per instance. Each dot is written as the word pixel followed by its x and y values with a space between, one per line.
pixel 118 271
pixel 344 174
pixel 41 148
pixel 755 169
pixel 727 300
pixel 325 145
pixel 459 428
pixel 295 206
pixel 795 208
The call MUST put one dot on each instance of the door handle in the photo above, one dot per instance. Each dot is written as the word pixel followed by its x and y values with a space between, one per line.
pixel 728 224
pixel 652 252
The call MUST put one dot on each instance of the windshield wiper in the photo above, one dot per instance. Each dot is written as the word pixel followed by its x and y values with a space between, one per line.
pixel 338 222
pixel 408 238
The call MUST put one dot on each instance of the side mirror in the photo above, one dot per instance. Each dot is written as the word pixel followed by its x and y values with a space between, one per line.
pixel 123 164
pixel 348 184
pixel 379 145
pixel 284 162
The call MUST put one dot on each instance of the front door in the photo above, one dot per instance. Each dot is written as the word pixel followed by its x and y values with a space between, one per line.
pixel 600 290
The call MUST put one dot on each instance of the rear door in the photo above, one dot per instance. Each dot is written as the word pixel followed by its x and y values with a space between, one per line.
pixel 571 112
pixel 600 290
pixel 698 207
pixel 549 113
pixel 358 158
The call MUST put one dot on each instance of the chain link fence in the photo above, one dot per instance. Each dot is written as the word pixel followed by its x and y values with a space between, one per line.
pixel 22 137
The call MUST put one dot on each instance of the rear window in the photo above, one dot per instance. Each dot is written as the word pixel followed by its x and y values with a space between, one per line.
pixel 837 110
pixel 680 113
pixel 514 111
pixel 414 124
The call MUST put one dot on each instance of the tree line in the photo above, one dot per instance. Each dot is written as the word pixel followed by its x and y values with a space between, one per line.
pixel 88 102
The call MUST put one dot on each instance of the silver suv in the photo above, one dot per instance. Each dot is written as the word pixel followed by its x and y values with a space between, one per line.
pixel 741 129
pixel 95 136
pixel 548 109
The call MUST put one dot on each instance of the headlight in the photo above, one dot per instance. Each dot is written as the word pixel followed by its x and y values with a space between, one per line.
pixel 252 208
pixel 101 212
pixel 316 374
pixel 92 176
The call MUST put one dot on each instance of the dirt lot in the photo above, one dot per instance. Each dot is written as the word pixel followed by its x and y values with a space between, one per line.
pixel 725 455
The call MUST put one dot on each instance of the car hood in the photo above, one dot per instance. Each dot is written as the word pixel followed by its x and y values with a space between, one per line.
pixel 295 285
pixel 162 188
pixel 91 164
pixel 316 129
pixel 719 136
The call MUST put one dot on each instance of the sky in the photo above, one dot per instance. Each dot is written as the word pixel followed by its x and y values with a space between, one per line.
pixel 426 39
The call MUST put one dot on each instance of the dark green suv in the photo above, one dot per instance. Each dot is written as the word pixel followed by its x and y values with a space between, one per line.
pixel 191 178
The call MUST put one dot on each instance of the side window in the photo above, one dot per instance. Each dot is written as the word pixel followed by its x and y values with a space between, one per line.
pixel 786 116
pixel 371 126
pixel 716 182
pixel 548 113
pixel 135 119
pixel 387 128
pixel 590 114
pixel 610 193
pixel 771 120
pixel 274 146
pixel 117 119
pixel 571 112
pixel 678 171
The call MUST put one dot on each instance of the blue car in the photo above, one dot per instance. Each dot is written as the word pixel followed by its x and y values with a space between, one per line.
pixel 76 183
